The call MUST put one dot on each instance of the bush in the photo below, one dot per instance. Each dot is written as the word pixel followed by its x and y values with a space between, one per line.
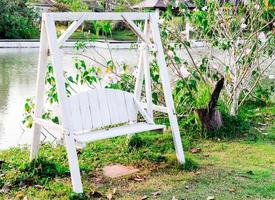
pixel 17 20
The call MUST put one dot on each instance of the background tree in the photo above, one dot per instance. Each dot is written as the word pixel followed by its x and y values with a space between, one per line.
pixel 17 20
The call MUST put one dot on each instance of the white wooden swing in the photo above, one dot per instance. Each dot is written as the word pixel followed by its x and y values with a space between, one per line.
pixel 85 116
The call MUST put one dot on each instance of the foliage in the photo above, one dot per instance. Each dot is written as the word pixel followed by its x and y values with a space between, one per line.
pixel 17 20
pixel 245 35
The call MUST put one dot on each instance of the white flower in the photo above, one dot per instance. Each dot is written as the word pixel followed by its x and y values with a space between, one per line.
pixel 204 8
pixel 161 21
pixel 247 51
pixel 170 53
pixel 243 26
pixel 184 72
pixel 262 37
pixel 257 7
pixel 271 76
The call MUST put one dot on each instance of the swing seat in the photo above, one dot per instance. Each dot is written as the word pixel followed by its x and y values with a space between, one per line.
pixel 104 113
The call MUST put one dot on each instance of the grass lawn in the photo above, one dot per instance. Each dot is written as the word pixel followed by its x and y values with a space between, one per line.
pixel 123 35
pixel 239 168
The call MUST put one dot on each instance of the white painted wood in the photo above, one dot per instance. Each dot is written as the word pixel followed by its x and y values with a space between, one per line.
pixel 148 90
pixel 121 106
pixel 84 105
pixel 40 82
pixel 167 89
pixel 72 28
pixel 99 108
pixel 95 109
pixel 158 108
pixel 117 131
pixel 67 123
pixel 75 113
pixel 104 108
pixel 143 113
pixel 136 30
pixel 72 16
pixel 50 125
pixel 130 106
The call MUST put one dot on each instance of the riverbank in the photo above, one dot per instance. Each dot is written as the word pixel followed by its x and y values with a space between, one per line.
pixel 113 44
pixel 224 168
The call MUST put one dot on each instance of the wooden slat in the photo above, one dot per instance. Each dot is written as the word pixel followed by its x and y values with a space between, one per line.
pixel 95 109
pixel 117 131
pixel 130 106
pixel 121 106
pixel 113 105
pixel 75 113
pixel 104 108
pixel 84 105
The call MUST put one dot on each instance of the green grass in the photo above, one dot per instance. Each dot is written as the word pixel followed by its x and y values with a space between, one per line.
pixel 228 168
pixel 119 35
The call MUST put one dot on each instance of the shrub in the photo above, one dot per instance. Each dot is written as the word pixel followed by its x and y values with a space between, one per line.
pixel 17 20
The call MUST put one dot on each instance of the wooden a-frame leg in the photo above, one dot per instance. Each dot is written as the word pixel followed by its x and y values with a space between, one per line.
pixel 167 89
pixel 66 118
pixel 73 164
pixel 41 75
pixel 148 90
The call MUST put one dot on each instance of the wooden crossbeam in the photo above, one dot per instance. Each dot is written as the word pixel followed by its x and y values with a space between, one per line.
pixel 72 28
pixel 72 16
pixel 136 29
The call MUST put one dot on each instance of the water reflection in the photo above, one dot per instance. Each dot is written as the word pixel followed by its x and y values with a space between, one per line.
pixel 18 69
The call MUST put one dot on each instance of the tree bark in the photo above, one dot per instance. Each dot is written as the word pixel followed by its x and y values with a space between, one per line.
pixel 211 117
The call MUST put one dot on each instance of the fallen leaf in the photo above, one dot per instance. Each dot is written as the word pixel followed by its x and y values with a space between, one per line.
pixel 19 195
pixel 174 198
pixel 109 196
pixel 156 193
pixel 138 178
pixel 206 155
pixel 39 186
pixel 25 198
pixel 232 190
pixel 210 198
pixel 197 173
pixel 114 190
pixel 195 150
pixel 144 197
pixel 6 188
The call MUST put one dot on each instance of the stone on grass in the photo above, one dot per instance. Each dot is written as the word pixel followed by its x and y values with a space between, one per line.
pixel 114 171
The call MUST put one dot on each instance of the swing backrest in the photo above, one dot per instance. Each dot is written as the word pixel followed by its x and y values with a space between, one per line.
pixel 98 108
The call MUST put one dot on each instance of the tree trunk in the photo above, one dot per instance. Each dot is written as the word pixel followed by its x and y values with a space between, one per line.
pixel 235 102
pixel 211 117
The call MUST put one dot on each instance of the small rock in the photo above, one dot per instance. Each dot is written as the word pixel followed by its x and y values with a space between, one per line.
pixel 196 150
pixel 187 187
pixel 210 198
pixel 156 193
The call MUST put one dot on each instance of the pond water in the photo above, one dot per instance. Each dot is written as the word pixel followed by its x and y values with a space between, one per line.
pixel 18 68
